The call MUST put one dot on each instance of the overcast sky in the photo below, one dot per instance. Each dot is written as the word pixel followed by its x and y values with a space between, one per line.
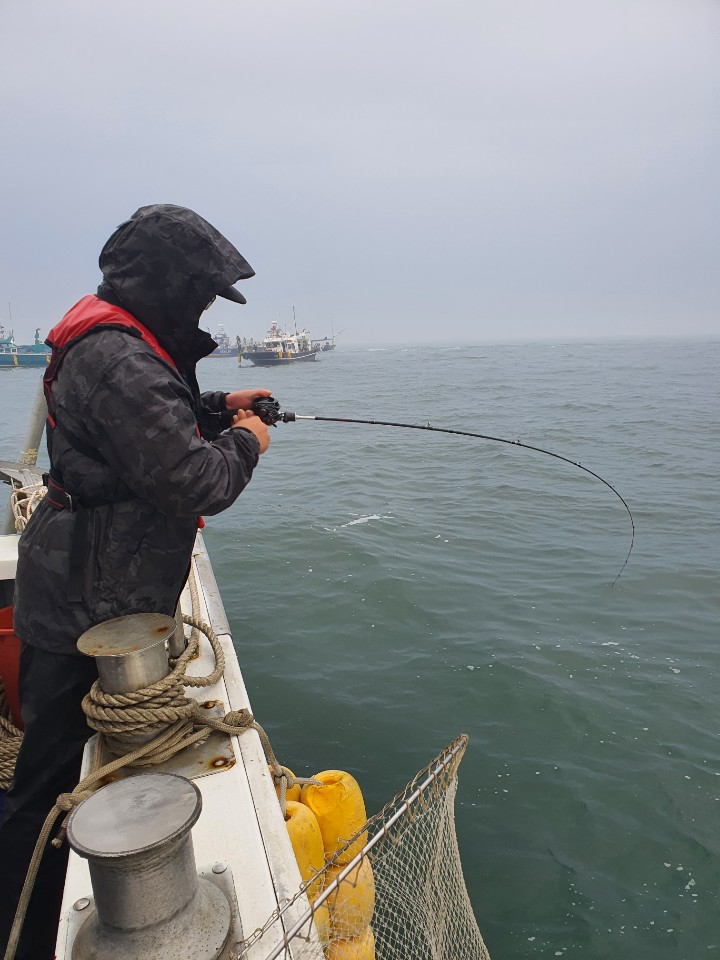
pixel 455 170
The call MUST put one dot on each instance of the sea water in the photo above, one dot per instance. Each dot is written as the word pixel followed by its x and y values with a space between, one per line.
pixel 389 589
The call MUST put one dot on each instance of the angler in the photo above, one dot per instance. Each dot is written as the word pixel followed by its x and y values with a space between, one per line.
pixel 137 454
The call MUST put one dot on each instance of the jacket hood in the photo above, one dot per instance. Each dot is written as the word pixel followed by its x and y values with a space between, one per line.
pixel 164 266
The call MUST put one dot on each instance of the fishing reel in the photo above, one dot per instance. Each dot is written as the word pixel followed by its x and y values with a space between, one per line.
pixel 268 409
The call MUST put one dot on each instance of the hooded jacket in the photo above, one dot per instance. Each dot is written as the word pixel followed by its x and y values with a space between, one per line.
pixel 135 443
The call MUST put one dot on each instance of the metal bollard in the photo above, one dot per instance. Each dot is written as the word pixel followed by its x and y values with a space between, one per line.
pixel 176 643
pixel 131 651
pixel 150 903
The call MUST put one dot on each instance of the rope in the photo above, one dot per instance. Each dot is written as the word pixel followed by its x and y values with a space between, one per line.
pixel 161 710
pixel 176 720
pixel 23 501
pixel 10 740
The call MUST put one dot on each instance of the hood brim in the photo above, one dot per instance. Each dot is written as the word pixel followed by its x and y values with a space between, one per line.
pixel 230 293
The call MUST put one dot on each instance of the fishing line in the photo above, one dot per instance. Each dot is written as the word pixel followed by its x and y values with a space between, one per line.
pixel 268 409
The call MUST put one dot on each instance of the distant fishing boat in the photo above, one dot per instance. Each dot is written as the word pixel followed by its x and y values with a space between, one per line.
pixel 22 354
pixel 224 348
pixel 278 348
pixel 327 343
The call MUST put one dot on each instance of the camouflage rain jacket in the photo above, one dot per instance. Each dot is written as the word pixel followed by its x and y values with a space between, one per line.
pixel 141 451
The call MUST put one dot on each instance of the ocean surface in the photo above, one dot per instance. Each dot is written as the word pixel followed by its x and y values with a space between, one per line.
pixel 389 589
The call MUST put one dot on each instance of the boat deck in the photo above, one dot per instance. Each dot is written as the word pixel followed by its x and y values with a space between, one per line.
pixel 241 825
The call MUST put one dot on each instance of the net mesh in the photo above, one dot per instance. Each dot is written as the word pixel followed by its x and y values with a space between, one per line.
pixel 401 897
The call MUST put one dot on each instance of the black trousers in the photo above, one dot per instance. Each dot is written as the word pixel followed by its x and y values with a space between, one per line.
pixel 52 686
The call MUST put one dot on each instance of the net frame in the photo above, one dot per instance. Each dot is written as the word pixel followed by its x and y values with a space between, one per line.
pixel 421 910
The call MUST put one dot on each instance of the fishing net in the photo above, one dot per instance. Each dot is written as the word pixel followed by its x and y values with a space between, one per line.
pixel 402 896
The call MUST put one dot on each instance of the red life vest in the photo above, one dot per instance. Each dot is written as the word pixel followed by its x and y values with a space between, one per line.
pixel 86 316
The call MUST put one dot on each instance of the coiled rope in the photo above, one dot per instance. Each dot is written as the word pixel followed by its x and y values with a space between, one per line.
pixel 174 720
pixel 10 740
pixel 23 501
pixel 164 710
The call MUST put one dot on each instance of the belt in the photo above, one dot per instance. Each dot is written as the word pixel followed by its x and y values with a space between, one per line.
pixel 58 497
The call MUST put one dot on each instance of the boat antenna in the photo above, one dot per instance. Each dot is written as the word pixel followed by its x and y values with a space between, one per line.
pixel 294 320
pixel 268 409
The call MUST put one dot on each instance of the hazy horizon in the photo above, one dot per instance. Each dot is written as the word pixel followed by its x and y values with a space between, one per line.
pixel 453 343
pixel 494 170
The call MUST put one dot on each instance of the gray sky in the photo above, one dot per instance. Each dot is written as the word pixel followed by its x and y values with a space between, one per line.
pixel 455 170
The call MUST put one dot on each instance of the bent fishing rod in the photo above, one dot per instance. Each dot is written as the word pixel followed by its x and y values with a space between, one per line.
pixel 268 410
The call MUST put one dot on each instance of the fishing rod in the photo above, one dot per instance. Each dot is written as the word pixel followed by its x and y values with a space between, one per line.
pixel 268 410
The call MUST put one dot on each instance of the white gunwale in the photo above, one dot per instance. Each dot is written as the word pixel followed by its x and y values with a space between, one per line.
pixel 241 822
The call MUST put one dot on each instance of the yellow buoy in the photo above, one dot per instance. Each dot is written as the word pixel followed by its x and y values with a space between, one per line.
pixel 352 904
pixel 356 948
pixel 307 843
pixel 340 811
pixel 292 793
pixel 321 919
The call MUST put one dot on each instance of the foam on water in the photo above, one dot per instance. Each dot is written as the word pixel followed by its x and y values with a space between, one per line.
pixel 367 519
